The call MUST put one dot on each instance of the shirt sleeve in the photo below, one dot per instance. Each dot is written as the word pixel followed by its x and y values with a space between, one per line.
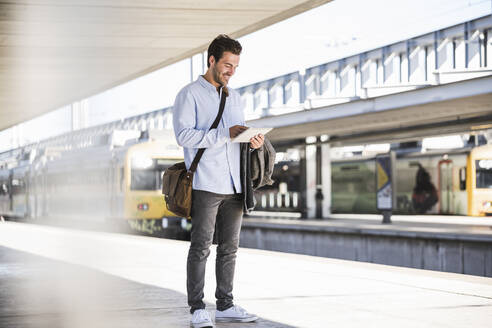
pixel 184 123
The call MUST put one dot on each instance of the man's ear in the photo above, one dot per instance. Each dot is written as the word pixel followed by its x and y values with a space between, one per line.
pixel 211 60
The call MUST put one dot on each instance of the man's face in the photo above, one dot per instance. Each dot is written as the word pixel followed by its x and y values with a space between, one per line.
pixel 224 68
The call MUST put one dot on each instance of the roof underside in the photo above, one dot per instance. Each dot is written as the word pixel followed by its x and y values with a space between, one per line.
pixel 55 52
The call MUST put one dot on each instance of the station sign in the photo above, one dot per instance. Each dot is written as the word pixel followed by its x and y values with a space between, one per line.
pixel 384 181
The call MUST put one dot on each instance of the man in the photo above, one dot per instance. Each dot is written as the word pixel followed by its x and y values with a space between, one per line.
pixel 217 202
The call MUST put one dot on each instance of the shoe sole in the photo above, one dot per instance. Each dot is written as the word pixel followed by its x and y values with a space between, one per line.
pixel 199 326
pixel 226 319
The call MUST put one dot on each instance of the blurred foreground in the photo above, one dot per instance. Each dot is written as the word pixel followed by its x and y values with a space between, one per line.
pixel 79 278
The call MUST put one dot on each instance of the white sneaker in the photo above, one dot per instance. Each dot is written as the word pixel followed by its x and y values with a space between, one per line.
pixel 201 319
pixel 234 314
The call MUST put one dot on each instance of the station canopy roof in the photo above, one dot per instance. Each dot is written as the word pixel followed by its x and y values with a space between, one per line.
pixel 55 52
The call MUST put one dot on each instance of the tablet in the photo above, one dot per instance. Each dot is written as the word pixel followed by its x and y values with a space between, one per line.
pixel 250 133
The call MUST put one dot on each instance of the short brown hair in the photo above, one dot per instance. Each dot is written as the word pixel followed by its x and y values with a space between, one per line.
pixel 221 44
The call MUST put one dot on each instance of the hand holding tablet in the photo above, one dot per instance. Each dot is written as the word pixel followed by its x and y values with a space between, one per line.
pixel 249 133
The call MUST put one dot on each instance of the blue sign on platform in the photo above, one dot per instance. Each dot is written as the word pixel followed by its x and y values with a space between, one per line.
pixel 384 191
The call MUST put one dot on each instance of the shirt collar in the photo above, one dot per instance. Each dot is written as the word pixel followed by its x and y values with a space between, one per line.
pixel 207 85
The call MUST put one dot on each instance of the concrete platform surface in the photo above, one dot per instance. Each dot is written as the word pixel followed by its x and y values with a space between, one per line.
pixel 57 277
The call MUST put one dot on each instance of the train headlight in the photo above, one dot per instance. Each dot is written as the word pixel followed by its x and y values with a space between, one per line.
pixel 165 223
pixel 485 164
pixel 487 205
pixel 185 225
pixel 142 162
pixel 143 207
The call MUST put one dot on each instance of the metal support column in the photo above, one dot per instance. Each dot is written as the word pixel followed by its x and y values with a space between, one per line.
pixel 311 180
pixel 326 177
pixel 319 180
pixel 302 183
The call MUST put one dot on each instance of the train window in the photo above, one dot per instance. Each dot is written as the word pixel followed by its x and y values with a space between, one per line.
pixel 484 173
pixel 144 180
pixel 18 186
pixel 463 178
pixel 148 176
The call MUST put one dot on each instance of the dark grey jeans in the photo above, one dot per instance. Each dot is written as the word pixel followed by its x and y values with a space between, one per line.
pixel 224 214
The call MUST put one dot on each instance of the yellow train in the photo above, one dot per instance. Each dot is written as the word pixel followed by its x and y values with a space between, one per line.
pixel 479 181
pixel 105 183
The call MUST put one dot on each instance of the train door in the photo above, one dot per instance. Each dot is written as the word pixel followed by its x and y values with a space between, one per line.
pixel 445 185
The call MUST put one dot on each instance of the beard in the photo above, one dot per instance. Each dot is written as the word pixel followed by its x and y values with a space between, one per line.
pixel 217 77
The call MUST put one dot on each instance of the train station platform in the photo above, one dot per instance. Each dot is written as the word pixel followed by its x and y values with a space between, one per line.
pixel 458 244
pixel 59 277
pixel 432 226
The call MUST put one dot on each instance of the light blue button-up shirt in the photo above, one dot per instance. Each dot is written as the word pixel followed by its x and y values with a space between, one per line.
pixel 194 111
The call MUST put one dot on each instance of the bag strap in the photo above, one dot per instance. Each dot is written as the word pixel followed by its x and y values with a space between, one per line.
pixel 199 154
